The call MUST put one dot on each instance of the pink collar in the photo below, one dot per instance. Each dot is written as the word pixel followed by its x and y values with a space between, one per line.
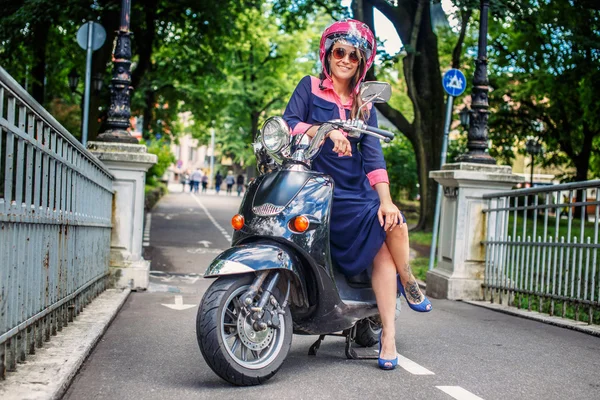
pixel 328 85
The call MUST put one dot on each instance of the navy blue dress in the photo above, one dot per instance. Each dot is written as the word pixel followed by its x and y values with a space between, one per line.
pixel 356 236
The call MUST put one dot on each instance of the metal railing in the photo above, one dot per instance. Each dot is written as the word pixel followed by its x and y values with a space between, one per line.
pixel 55 224
pixel 542 250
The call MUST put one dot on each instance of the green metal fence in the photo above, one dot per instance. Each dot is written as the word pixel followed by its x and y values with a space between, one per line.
pixel 55 223
pixel 542 250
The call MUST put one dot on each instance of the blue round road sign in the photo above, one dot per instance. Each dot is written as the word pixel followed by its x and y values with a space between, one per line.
pixel 454 82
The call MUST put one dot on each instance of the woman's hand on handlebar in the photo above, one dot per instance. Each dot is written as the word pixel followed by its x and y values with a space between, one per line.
pixel 389 216
pixel 341 144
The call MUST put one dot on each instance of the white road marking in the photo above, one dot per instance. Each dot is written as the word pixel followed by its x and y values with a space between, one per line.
pixel 205 243
pixel 458 393
pixel 191 279
pixel 179 304
pixel 411 366
pixel 214 221
pixel 202 250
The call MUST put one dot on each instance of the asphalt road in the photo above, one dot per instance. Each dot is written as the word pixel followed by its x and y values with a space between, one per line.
pixel 456 351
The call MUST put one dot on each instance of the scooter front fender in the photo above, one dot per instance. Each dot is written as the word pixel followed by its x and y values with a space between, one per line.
pixel 254 257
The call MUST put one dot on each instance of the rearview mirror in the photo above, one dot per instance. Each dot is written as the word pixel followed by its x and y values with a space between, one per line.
pixel 375 92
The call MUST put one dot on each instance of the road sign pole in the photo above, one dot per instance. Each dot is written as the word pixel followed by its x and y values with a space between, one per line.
pixel 438 199
pixel 454 83
pixel 88 80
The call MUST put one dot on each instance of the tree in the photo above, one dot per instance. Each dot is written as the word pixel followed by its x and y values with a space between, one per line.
pixel 260 68
pixel 546 76
pixel 37 43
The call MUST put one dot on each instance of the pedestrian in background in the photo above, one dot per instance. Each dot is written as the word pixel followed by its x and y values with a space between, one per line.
pixel 196 178
pixel 240 184
pixel 185 178
pixel 204 183
pixel 229 181
pixel 218 181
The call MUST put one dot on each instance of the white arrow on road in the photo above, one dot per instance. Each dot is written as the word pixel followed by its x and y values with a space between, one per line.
pixel 191 279
pixel 179 304
pixel 205 243
pixel 168 279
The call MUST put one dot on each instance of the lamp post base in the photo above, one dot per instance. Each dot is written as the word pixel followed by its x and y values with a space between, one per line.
pixel 116 135
pixel 483 158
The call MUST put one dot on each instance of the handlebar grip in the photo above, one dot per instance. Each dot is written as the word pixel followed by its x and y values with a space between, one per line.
pixel 381 132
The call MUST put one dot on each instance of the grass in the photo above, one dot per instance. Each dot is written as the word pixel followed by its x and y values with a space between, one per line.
pixel 563 228
pixel 420 265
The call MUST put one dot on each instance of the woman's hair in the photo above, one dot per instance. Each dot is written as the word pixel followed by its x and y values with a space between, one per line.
pixel 356 100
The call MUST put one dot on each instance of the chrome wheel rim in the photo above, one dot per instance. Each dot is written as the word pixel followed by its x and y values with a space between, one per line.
pixel 248 348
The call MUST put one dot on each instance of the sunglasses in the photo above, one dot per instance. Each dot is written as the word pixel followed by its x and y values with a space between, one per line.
pixel 339 53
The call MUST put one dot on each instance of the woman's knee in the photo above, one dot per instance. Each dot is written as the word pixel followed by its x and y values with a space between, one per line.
pixel 399 233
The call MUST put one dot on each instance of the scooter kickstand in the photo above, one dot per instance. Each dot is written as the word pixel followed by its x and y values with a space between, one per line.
pixel 312 351
pixel 350 352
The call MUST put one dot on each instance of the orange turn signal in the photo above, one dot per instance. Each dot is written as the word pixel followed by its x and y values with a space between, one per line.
pixel 301 223
pixel 237 222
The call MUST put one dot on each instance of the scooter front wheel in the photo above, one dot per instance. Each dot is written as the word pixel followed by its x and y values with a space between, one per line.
pixel 232 348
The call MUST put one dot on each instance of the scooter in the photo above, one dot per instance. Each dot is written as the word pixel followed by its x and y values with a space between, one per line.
pixel 278 277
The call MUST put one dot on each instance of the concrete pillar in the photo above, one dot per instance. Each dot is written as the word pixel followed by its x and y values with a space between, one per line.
pixel 461 255
pixel 129 164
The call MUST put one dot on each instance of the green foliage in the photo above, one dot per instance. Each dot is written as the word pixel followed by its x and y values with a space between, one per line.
pixel 402 168
pixel 545 72
pixel 261 66
pixel 165 158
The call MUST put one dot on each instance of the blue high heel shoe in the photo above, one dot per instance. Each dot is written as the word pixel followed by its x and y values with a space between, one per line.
pixel 424 306
pixel 384 364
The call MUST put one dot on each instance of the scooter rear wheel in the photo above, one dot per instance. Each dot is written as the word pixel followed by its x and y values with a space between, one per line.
pixel 367 333
pixel 229 344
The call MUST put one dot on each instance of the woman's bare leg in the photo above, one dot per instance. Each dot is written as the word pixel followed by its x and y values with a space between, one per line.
pixel 385 288
pixel 397 243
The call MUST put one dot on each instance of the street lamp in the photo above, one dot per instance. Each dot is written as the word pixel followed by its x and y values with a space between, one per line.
pixel 119 111
pixel 478 135
pixel 533 147
pixel 97 82
pixel 73 78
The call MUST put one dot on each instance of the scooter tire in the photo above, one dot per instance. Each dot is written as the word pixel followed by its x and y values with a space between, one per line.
pixel 211 341
pixel 367 333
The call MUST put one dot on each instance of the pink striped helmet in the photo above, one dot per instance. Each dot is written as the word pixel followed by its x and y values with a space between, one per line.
pixel 354 33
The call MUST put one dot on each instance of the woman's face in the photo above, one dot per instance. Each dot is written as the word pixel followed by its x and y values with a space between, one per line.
pixel 344 61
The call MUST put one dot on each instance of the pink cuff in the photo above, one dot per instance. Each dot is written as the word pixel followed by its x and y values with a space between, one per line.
pixel 378 176
pixel 300 128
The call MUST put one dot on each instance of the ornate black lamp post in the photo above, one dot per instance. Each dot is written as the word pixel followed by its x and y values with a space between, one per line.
pixel 119 112
pixel 478 135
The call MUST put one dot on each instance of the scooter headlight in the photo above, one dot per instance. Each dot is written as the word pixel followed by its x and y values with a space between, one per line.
pixel 275 134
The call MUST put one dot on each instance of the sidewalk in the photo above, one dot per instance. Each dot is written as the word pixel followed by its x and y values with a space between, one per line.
pixel 48 373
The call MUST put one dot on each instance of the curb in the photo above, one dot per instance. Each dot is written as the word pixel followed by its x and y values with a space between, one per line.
pixel 48 373
pixel 579 326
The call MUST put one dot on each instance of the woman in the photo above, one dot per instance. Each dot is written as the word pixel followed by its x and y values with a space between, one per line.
pixel 361 193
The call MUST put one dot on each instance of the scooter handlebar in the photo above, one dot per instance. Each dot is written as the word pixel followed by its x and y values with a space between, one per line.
pixel 381 132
